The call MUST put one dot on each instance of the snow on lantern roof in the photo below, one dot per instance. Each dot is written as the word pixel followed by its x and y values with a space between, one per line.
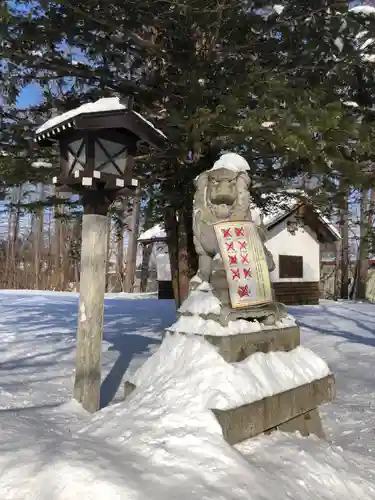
pixel 105 105
pixel 155 233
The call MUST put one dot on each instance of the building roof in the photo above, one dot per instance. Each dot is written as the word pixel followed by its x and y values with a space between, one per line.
pixel 283 205
pixel 155 233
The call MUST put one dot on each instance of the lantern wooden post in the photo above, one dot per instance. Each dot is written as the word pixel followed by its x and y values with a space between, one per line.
pixel 97 143
pixel 91 302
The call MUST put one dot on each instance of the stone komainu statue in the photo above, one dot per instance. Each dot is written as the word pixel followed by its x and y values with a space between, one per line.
pixel 222 194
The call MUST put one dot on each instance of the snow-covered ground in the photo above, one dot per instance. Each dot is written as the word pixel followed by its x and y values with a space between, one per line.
pixel 156 448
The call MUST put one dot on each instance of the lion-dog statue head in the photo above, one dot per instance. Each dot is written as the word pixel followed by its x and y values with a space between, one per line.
pixel 222 193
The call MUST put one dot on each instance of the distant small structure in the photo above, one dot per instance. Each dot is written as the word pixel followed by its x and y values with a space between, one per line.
pixel 298 235
pixel 156 238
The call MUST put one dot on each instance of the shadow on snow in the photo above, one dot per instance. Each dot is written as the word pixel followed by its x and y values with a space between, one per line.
pixel 130 328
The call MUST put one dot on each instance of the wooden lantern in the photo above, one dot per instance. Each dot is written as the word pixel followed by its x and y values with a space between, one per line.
pixel 97 143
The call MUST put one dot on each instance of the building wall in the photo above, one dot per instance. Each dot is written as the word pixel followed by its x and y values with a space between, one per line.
pixel 303 243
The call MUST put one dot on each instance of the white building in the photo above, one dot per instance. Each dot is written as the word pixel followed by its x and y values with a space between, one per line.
pixel 299 236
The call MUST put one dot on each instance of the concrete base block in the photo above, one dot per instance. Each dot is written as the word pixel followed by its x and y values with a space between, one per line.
pixel 235 348
pixel 293 410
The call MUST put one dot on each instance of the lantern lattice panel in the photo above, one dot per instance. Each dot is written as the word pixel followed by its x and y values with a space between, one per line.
pixel 77 155
pixel 110 157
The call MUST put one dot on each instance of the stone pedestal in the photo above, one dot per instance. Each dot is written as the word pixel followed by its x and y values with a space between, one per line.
pixel 289 411
pixel 235 348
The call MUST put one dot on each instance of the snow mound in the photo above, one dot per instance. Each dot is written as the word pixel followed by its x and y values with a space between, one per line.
pixel 192 368
pixel 201 302
pixel 285 322
pixel 319 471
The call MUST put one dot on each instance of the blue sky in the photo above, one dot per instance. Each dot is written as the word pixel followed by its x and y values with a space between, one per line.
pixel 30 95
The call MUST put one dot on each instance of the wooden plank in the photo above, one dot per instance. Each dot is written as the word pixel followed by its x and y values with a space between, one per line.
pixel 296 284
pixel 253 419
pixel 291 293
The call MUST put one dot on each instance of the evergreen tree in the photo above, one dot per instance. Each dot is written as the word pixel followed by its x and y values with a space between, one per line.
pixel 267 82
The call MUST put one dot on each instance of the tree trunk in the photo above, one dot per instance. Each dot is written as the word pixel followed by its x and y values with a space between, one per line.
pixel 131 255
pixel 337 288
pixel 344 230
pixel 8 258
pixel 181 250
pixel 187 257
pixel 58 247
pixel 146 254
pixel 362 264
pixel 120 247
pixel 57 251
pixel 171 229
pixel 74 255
pixel 15 252
pixel 38 238
pixel 13 227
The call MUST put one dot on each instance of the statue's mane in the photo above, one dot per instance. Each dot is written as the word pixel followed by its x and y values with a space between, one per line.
pixel 208 211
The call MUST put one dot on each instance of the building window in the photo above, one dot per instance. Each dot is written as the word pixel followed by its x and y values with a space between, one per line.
pixel 290 266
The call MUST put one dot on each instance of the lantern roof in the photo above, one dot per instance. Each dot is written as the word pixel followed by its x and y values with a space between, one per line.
pixel 105 113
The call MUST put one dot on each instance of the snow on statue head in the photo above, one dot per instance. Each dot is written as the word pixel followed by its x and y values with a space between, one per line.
pixel 231 161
